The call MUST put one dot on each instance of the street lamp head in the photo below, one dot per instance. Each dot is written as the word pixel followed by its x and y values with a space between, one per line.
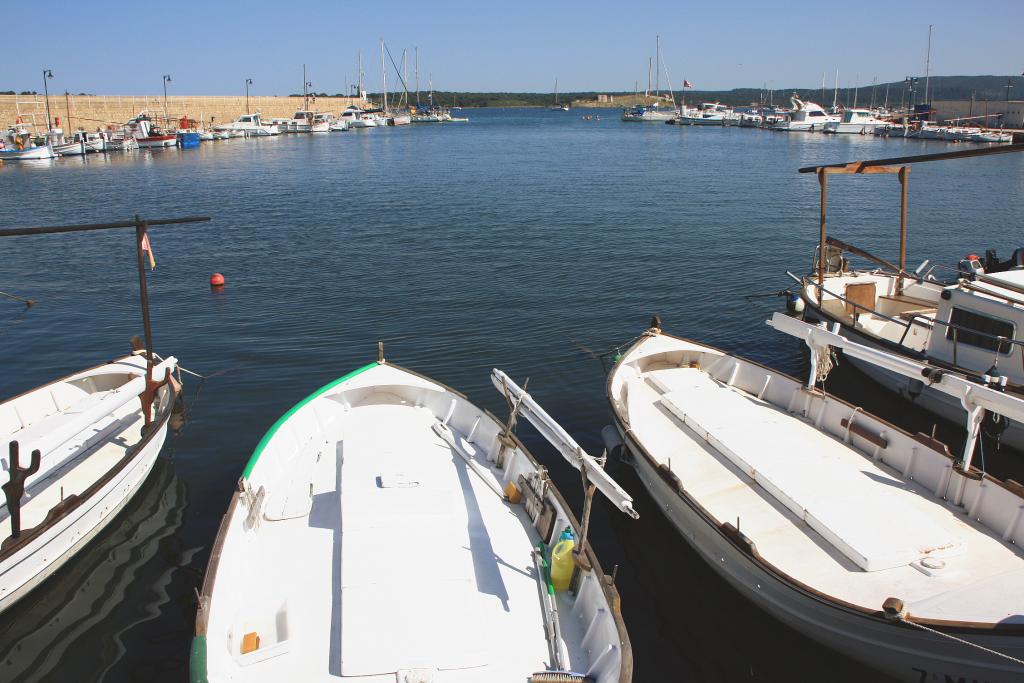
pixel 248 81
pixel 47 73
pixel 167 78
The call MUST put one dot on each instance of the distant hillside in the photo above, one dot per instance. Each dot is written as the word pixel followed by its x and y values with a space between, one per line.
pixel 939 87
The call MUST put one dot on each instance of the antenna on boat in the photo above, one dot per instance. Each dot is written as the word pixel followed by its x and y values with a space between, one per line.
pixel 594 477
pixel 380 352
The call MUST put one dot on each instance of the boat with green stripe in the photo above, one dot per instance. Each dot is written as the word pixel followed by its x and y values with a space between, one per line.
pixel 387 529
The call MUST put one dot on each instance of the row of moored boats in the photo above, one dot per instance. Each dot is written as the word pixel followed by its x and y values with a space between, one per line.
pixel 145 131
pixel 805 116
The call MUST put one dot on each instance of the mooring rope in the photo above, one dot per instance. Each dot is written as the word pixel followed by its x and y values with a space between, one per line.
pixel 28 302
pixel 960 640
pixel 826 362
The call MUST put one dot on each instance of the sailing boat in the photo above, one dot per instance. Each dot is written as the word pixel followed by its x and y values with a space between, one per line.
pixel 388 529
pixel 556 106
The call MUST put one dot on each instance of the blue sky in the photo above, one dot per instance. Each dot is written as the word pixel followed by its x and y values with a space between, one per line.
pixel 212 47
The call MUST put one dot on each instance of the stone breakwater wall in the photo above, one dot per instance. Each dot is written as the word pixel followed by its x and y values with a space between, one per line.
pixel 98 111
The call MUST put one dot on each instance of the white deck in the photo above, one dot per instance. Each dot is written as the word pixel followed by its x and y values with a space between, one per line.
pixel 408 508
pixel 817 508
pixel 113 437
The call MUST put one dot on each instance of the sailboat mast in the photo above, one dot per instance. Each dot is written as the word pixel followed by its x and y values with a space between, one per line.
pixel 417 54
pixel 305 95
pixel 384 78
pixel 856 88
pixel 647 93
pixel 928 64
pixel 657 72
pixel 404 76
pixel 835 94
pixel 886 105
pixel 874 89
pixel 822 86
pixel 359 77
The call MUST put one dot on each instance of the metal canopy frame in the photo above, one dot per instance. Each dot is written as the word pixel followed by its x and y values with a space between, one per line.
pixel 141 226
pixel 895 165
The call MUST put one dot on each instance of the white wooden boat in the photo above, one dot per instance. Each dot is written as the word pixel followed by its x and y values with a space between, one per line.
pixel 992 136
pixel 373 538
pixel 83 143
pixel 339 125
pixel 866 538
pixel 18 146
pixel 80 448
pixel 968 320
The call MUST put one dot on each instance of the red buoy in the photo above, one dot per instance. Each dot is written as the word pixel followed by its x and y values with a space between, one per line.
pixel 216 280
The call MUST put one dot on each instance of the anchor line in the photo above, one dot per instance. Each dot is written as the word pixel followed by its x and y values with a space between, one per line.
pixel 961 641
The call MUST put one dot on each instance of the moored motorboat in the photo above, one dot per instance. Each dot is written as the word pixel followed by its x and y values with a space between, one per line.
pixel 352 490
pixel 855 121
pixel 249 125
pixel 805 116
pixel 967 320
pixel 871 540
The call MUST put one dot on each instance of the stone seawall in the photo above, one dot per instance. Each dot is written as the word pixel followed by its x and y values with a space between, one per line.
pixel 96 111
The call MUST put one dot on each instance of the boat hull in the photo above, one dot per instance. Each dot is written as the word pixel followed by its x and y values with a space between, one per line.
pixel 851 128
pixel 30 154
pixel 157 141
pixel 47 547
pixel 78 529
pixel 899 651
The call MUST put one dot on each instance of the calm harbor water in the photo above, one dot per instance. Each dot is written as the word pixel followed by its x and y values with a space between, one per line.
pixel 527 240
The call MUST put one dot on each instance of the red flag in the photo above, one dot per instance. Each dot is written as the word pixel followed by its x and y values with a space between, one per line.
pixel 146 247
pixel 687 84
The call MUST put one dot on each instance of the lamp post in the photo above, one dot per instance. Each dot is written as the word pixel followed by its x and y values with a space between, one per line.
pixel 167 79
pixel 248 82
pixel 47 74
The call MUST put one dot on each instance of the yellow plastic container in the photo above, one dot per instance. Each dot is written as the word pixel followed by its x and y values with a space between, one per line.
pixel 562 565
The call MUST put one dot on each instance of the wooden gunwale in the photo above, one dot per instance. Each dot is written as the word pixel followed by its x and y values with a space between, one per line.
pixel 73 503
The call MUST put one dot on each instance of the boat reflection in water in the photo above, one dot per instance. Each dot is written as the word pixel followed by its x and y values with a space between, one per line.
pixel 119 579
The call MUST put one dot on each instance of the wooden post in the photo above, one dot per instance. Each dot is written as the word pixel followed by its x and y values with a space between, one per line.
pixel 147 329
pixel 823 181
pixel 903 227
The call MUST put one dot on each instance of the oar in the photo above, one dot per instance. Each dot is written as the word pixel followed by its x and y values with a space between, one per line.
pixel 552 630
